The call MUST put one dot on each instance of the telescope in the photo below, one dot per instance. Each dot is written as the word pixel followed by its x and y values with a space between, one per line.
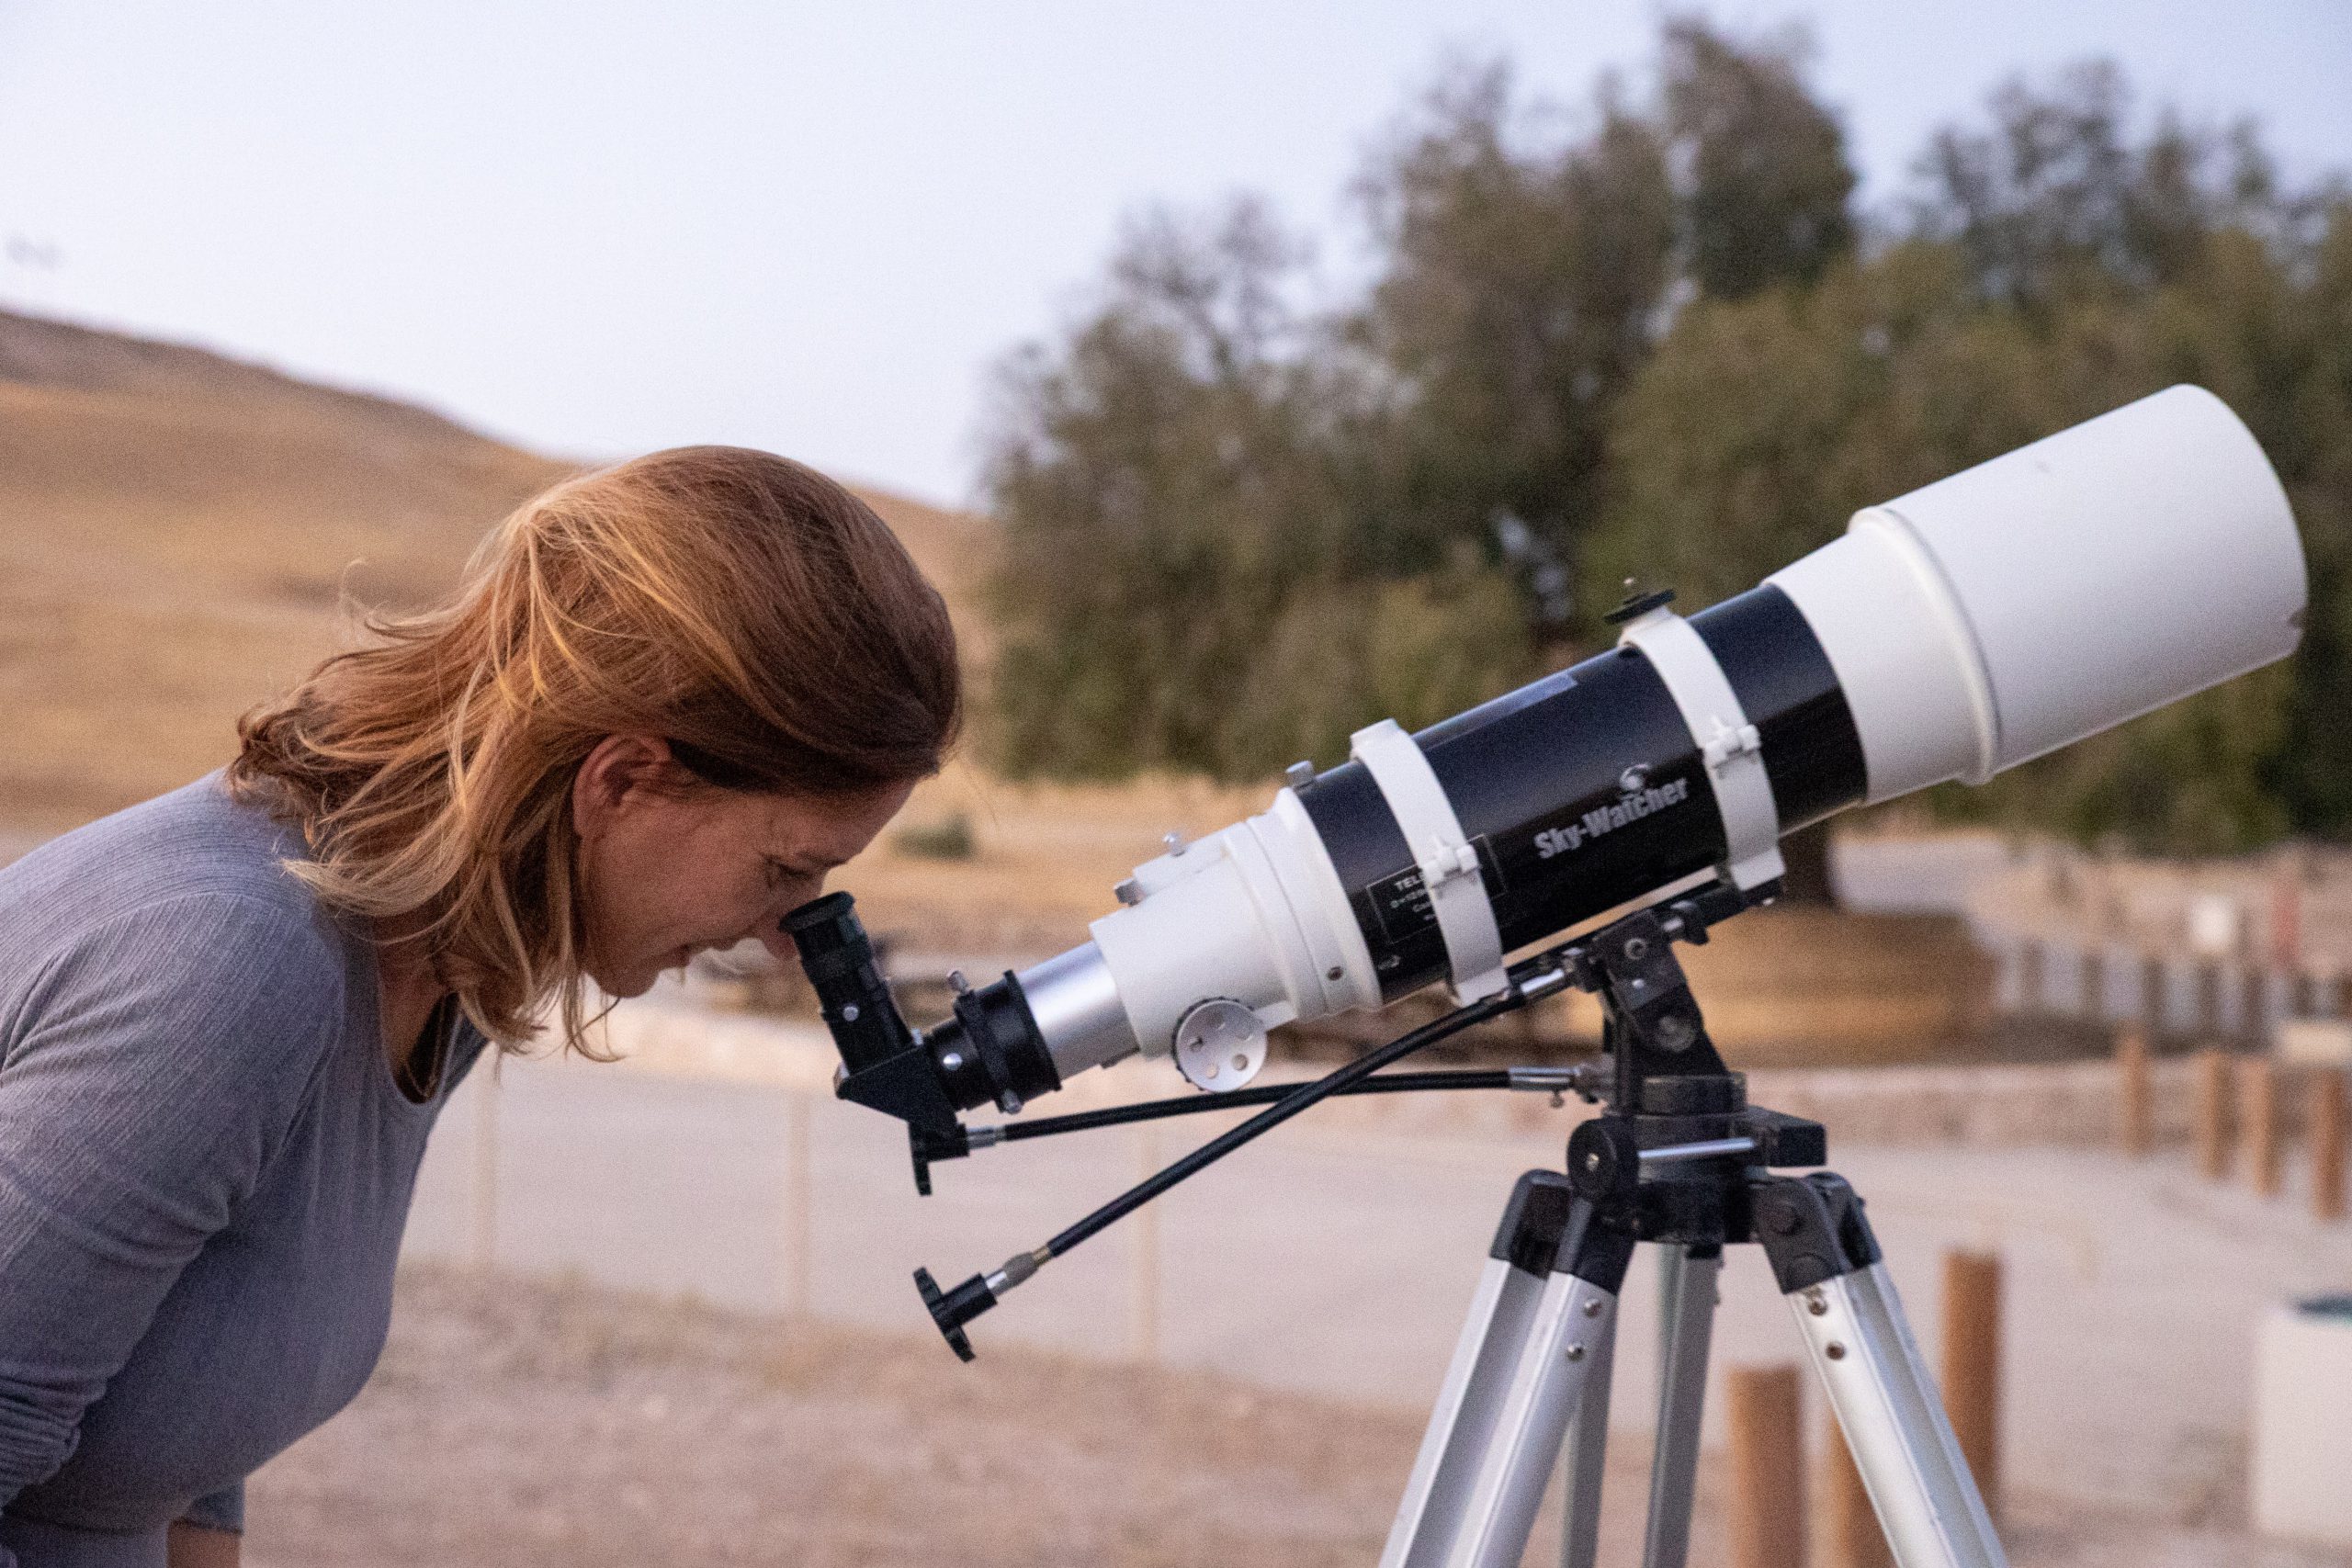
pixel 1952 633
pixel 1600 817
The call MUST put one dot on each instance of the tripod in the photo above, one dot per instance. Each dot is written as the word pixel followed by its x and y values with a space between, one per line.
pixel 1676 1158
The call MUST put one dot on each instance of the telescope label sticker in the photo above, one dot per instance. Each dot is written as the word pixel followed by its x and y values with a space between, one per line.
pixel 1401 904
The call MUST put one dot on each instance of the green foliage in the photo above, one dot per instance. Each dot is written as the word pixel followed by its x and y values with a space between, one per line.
pixel 1650 345
pixel 1235 535
pixel 2053 200
pixel 1759 425
pixel 1178 488
pixel 950 838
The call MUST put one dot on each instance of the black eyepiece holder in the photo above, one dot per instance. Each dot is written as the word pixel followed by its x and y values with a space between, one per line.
pixel 987 1052
pixel 883 1064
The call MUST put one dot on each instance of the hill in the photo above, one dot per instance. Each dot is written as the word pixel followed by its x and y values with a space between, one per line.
pixel 183 534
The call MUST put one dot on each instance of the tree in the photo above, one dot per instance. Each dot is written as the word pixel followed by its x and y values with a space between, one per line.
pixel 1184 491
pixel 2020 305
pixel 1642 338
pixel 2053 198
pixel 1766 184
pixel 1519 286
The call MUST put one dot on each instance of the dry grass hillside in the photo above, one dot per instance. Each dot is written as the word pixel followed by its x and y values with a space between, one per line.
pixel 182 534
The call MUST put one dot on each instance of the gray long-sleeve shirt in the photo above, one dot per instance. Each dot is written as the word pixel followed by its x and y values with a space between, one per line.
pixel 205 1168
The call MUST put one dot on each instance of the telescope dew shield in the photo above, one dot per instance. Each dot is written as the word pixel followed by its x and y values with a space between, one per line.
pixel 2056 592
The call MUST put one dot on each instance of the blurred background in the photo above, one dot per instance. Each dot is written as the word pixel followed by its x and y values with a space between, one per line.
pixel 1241 374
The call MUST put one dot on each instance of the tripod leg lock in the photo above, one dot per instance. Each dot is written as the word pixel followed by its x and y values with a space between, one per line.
pixel 1812 1228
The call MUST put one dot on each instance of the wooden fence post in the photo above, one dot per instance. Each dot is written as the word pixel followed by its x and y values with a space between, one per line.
pixel 1767 1514
pixel 1972 1370
pixel 2209 988
pixel 2327 1143
pixel 2258 1112
pixel 1850 1534
pixel 2254 1007
pixel 2154 993
pixel 2213 1110
pixel 2134 1101
pixel 482 1243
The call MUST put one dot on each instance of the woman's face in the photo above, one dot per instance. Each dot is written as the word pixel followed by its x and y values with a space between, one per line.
pixel 668 874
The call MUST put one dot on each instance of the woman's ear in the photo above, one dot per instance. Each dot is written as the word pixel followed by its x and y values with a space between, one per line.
pixel 619 773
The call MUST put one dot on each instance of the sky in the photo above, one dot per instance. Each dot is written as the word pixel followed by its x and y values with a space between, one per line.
pixel 600 227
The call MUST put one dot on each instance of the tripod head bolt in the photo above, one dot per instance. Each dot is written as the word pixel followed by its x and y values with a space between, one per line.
pixel 1603 1161
pixel 1812 1228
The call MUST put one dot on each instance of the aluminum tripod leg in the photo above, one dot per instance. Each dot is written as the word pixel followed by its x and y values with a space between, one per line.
pixel 1546 1313
pixel 1686 1327
pixel 1830 1268
pixel 1586 1463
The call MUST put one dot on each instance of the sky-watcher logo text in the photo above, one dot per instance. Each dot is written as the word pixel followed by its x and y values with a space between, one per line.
pixel 1630 806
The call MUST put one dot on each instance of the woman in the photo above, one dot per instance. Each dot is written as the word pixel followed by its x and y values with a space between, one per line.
pixel 668 698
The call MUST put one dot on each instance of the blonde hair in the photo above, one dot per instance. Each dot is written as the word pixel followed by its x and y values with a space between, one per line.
pixel 745 608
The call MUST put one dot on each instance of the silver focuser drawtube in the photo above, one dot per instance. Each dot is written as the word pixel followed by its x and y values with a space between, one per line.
pixel 1075 1005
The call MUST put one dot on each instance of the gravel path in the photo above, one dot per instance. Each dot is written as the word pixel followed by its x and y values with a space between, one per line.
pixel 522 1423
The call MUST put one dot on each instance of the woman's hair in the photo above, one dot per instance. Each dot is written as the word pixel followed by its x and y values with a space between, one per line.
pixel 746 609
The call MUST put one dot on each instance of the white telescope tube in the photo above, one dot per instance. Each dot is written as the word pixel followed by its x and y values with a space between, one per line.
pixel 1949 634
pixel 2056 592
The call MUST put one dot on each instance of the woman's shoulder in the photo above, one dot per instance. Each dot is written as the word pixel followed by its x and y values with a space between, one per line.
pixel 192 876
pixel 194 840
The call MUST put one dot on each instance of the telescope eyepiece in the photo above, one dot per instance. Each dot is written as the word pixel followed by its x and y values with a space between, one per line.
pixel 989 1051
pixel 838 959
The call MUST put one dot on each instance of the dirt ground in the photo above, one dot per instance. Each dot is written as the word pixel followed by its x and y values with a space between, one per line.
pixel 523 1423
